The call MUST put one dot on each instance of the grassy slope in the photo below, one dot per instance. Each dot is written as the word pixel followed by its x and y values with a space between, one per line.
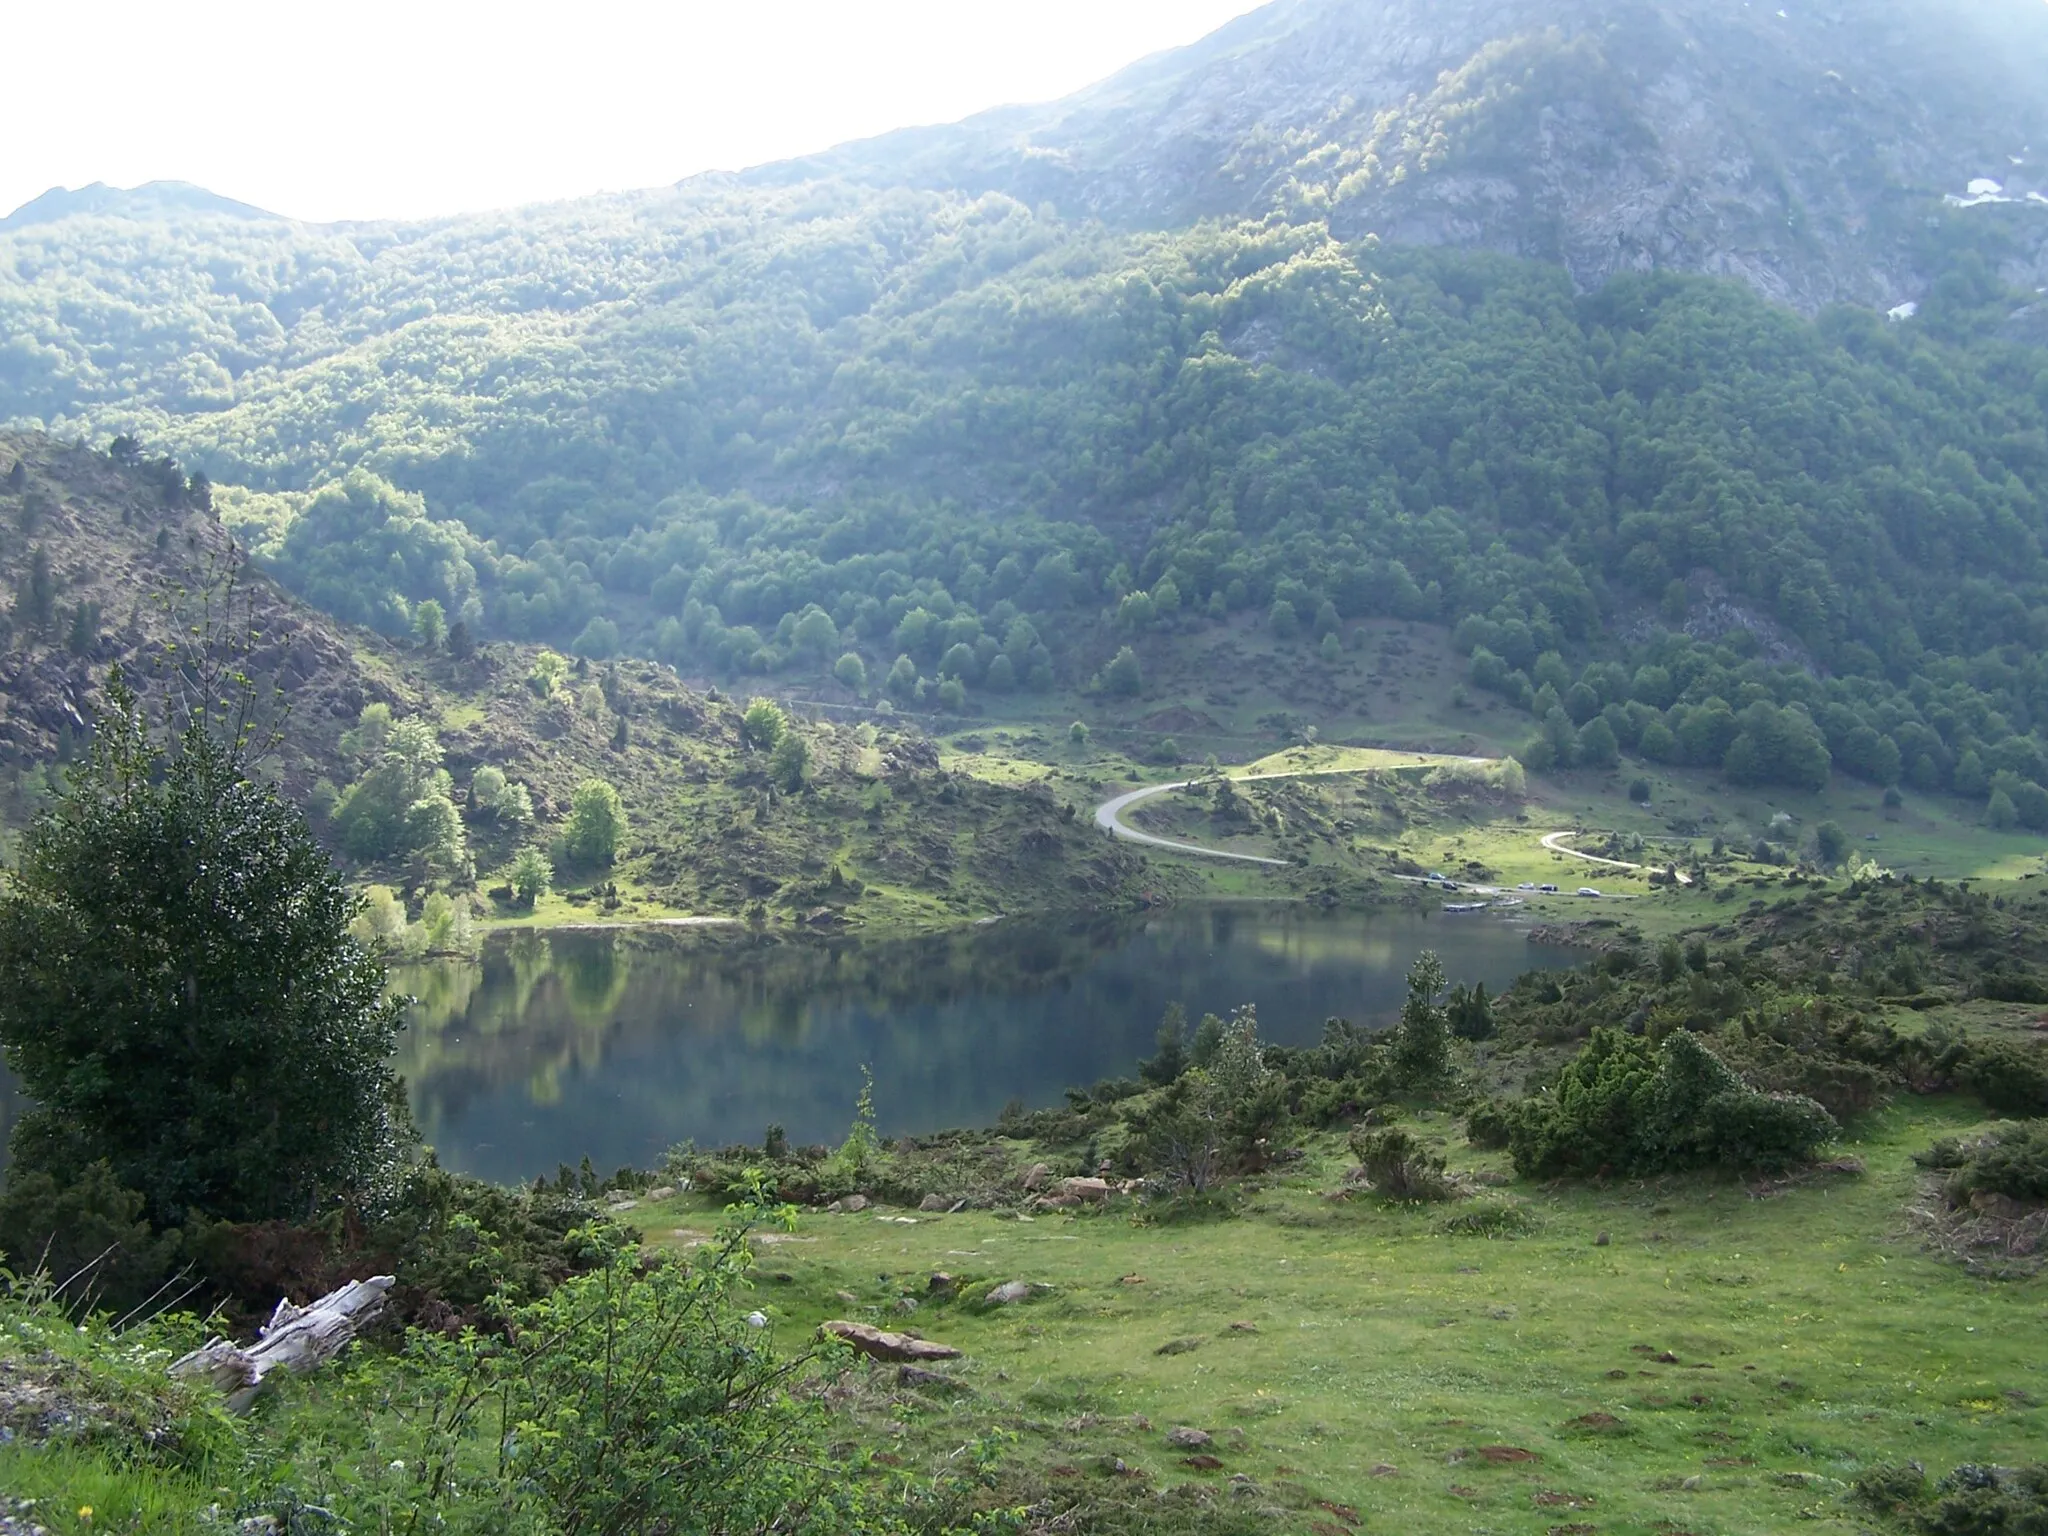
pixel 1815 1338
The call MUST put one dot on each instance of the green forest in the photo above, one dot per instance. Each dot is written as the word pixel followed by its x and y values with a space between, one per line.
pixel 937 449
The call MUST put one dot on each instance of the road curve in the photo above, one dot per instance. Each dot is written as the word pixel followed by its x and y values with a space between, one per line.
pixel 1555 843
pixel 1109 814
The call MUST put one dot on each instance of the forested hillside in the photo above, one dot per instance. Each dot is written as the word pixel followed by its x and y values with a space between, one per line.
pixel 942 445
pixel 440 764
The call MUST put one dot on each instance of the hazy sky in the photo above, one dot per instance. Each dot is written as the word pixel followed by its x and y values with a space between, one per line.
pixel 383 109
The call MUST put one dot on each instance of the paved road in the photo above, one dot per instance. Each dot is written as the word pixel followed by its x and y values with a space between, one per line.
pixel 1109 816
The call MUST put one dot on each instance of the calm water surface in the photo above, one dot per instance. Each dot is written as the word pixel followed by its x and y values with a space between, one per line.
pixel 617 1045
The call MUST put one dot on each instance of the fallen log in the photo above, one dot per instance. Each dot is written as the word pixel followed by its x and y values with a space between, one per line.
pixel 295 1339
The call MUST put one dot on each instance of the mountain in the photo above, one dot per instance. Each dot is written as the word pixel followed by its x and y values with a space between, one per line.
pixel 117 560
pixel 151 200
pixel 953 418
pixel 1799 149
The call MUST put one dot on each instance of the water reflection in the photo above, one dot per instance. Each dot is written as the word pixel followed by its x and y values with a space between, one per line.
pixel 619 1044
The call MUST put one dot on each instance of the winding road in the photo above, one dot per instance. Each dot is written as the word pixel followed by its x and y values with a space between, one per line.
pixel 1109 816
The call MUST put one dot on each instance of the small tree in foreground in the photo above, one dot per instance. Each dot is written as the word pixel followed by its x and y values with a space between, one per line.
pixel 179 993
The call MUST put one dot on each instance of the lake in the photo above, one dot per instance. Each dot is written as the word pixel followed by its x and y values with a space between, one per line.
pixel 618 1044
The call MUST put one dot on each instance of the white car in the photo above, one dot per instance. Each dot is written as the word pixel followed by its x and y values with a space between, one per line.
pixel 1587 890
pixel 1526 885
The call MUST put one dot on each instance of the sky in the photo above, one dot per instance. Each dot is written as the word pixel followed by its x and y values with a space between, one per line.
pixel 382 109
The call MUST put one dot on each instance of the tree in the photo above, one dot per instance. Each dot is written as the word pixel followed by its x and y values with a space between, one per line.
pixel 2000 814
pixel 461 644
pixel 550 669
pixel 763 724
pixel 1283 620
pixel 815 633
pixel 179 993
pixel 37 601
pixel 1639 791
pixel 598 641
pixel 1077 735
pixel 1595 744
pixel 1831 843
pixel 1123 675
pixel 531 875
pixel 952 695
pixel 851 673
pixel 790 761
pixel 596 825
pixel 429 624
pixel 902 680
pixel 1422 1040
pixel 85 628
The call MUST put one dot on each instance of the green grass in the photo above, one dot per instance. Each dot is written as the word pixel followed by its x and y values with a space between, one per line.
pixel 80 1493
pixel 1814 1338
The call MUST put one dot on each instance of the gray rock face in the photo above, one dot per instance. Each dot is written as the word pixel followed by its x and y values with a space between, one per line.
pixel 1801 150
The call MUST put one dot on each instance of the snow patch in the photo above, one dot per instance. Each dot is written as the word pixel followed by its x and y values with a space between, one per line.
pixel 1905 311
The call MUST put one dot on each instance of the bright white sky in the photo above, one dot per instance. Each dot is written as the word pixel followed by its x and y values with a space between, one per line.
pixel 388 109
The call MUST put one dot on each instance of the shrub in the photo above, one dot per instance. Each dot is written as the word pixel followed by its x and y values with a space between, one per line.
pixel 1625 1106
pixel 2009 1078
pixel 633 1398
pixel 2011 1161
pixel 596 825
pixel 1399 1167
pixel 1495 1219
pixel 1990 1501
pixel 89 1236
pixel 1489 1124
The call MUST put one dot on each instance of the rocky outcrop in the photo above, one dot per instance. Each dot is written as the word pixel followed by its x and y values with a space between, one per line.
pixel 1800 149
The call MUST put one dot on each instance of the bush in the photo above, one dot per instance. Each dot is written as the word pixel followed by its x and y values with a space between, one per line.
pixel 1495 1219
pixel 89 1236
pixel 1489 1124
pixel 2011 1161
pixel 635 1398
pixel 1625 1106
pixel 2008 1078
pixel 1990 1501
pixel 1398 1167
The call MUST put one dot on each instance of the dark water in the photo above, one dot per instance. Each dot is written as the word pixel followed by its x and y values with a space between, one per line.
pixel 620 1044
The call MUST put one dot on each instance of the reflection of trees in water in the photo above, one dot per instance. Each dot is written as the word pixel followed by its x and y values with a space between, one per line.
pixel 540 1008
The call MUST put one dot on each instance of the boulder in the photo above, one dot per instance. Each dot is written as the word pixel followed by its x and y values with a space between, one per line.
pixel 942 1284
pixel 1087 1189
pixel 934 1203
pixel 853 1203
pixel 1986 1202
pixel 1185 1439
pixel 1036 1175
pixel 879 1344
pixel 1009 1291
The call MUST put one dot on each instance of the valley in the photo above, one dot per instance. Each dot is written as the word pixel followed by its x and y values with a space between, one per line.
pixel 1304 795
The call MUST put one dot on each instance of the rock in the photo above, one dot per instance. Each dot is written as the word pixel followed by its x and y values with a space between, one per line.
pixel 1009 1291
pixel 621 1205
pixel 1186 1439
pixel 942 1284
pixel 1036 1175
pixel 1244 1327
pixel 1201 1463
pixel 848 1297
pixel 1087 1189
pixel 1056 1202
pixel 933 1203
pixel 877 1344
pixel 757 1319
pixel 1132 1280
pixel 1602 1240
pixel 1178 1347
pixel 662 1192
pixel 853 1203
pixel 906 1304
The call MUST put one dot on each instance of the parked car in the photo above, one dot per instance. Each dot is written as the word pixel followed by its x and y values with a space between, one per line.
pixel 1526 885
pixel 1548 890
pixel 1587 890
